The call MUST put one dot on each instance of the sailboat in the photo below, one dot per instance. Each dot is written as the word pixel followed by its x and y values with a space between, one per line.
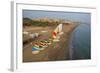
pixel 57 33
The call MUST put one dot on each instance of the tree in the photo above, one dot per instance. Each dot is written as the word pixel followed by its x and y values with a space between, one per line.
pixel 27 22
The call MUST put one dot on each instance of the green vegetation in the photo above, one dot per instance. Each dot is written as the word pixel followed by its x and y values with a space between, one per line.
pixel 39 22
pixel 45 22
pixel 27 22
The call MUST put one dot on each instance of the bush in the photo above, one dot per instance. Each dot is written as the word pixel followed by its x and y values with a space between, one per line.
pixel 30 22
pixel 38 23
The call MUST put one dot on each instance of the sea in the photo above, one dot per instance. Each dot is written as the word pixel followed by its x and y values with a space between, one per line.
pixel 81 42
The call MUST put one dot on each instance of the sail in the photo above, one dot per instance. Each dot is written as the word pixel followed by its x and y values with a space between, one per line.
pixel 57 30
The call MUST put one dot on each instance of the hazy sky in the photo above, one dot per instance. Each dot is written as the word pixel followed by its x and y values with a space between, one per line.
pixel 76 16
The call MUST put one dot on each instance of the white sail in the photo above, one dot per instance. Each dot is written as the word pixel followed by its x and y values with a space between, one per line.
pixel 57 32
pixel 58 28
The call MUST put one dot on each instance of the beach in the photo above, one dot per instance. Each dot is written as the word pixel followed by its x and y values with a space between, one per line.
pixel 56 51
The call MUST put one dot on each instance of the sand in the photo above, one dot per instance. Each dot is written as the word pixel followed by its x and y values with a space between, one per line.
pixel 51 53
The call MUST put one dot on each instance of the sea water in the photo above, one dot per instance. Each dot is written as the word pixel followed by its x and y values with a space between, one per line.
pixel 81 42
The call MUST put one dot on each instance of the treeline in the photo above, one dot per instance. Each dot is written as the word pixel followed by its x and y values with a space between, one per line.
pixel 30 22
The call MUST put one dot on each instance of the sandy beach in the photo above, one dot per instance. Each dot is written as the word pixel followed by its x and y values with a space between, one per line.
pixel 51 53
